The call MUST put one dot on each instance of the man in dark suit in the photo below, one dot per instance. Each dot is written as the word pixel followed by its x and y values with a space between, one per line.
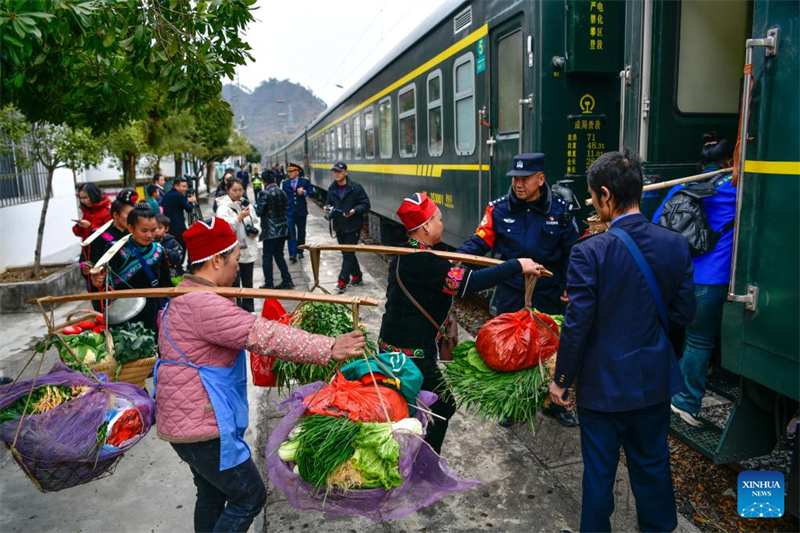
pixel 175 204
pixel 615 344
pixel 297 189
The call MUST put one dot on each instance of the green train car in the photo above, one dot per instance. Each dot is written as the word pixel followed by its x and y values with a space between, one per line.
pixel 482 80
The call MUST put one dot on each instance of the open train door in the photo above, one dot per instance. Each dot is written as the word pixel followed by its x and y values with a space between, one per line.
pixel 760 337
pixel 509 119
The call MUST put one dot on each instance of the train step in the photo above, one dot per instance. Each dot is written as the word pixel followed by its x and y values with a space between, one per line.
pixel 704 438
pixel 723 383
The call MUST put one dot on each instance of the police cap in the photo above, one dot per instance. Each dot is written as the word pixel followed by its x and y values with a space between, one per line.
pixel 339 165
pixel 527 164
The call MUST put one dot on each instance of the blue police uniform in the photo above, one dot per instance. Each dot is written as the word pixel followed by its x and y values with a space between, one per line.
pixel 297 209
pixel 543 230
pixel 614 344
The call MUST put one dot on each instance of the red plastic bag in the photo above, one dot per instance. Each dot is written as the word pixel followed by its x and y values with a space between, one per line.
pixel 261 370
pixel 357 401
pixel 260 365
pixel 272 310
pixel 516 341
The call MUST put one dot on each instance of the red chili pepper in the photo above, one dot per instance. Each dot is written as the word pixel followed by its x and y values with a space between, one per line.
pixel 99 319
pixel 71 330
pixel 100 328
pixel 86 325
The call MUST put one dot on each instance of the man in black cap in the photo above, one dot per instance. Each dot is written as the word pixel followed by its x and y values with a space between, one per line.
pixel 347 204
pixel 297 189
pixel 175 204
pixel 529 221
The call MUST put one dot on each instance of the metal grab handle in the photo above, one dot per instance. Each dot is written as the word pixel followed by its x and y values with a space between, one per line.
pixel 523 102
pixel 624 83
pixel 771 43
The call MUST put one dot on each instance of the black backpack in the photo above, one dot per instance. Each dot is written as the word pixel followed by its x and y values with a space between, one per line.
pixel 684 213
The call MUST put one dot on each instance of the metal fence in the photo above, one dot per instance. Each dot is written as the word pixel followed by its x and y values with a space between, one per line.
pixel 20 183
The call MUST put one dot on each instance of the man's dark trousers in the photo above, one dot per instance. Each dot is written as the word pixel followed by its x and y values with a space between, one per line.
pixel 350 266
pixel 642 433
pixel 273 249
pixel 297 233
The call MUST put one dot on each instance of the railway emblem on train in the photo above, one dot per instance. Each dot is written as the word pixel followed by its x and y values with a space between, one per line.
pixel 587 104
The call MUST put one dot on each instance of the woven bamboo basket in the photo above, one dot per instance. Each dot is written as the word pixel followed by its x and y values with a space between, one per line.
pixel 135 372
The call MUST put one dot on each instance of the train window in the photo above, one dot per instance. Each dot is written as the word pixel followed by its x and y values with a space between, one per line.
pixel 357 137
pixel 709 59
pixel 435 135
pixel 509 69
pixel 339 144
pixel 369 135
pixel 385 127
pixel 348 146
pixel 331 145
pixel 464 101
pixel 407 121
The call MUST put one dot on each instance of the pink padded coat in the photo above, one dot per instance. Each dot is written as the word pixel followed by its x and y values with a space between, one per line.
pixel 210 330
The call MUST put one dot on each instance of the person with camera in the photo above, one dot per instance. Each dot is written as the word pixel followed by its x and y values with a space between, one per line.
pixel 175 204
pixel 235 209
pixel 271 207
pixel 348 202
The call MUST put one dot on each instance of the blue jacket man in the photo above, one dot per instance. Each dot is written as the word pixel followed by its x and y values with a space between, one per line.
pixel 530 221
pixel 297 189
pixel 614 342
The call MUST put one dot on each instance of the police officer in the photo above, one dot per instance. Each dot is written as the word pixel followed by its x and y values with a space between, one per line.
pixel 297 189
pixel 529 221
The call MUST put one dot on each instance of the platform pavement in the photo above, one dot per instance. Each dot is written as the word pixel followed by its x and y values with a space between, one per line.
pixel 529 483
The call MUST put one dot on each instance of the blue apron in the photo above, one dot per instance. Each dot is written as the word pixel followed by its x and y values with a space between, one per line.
pixel 227 389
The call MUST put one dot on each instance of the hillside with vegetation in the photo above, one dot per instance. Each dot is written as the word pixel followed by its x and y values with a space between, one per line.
pixel 273 113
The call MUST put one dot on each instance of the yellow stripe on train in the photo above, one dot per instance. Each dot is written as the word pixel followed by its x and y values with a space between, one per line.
pixel 432 171
pixel 790 168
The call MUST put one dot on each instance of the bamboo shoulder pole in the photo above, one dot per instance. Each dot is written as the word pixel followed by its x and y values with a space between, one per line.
pixel 400 250
pixel 229 292
pixel 678 181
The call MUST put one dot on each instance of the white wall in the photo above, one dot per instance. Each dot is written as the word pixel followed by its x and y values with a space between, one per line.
pixel 20 224
pixel 109 169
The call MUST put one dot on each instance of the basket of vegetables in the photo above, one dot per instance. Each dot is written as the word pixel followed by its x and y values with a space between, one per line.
pixel 66 428
pixel 320 318
pixel 341 466
pixel 506 372
pixel 128 354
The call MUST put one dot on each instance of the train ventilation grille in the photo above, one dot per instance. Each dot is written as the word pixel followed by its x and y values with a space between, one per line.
pixel 462 20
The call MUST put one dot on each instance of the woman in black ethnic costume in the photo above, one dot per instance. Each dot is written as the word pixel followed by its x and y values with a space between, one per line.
pixel 433 282
pixel 140 264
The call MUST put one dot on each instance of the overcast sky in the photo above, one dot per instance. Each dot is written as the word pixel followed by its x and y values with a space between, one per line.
pixel 324 43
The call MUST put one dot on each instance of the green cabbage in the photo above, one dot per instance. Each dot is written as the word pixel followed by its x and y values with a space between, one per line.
pixel 377 455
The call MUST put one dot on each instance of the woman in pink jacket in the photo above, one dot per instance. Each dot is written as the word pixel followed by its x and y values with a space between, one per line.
pixel 201 379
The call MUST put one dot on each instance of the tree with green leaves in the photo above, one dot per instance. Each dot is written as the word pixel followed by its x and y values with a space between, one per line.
pixel 253 155
pixel 53 147
pixel 104 63
pixel 127 144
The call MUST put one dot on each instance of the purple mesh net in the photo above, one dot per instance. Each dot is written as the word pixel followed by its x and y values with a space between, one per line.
pixel 426 477
pixel 58 449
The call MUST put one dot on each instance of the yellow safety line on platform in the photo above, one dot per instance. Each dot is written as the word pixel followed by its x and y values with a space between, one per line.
pixel 431 171
pixel 791 168
pixel 452 50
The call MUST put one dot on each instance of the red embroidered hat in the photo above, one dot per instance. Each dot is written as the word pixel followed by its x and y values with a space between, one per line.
pixel 416 211
pixel 204 240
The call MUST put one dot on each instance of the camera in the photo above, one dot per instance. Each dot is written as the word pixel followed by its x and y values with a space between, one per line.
pixel 245 202
pixel 250 229
pixel 330 212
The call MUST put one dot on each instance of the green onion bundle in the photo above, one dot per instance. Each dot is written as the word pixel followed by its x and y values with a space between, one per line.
pixel 324 443
pixel 326 319
pixel 491 394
